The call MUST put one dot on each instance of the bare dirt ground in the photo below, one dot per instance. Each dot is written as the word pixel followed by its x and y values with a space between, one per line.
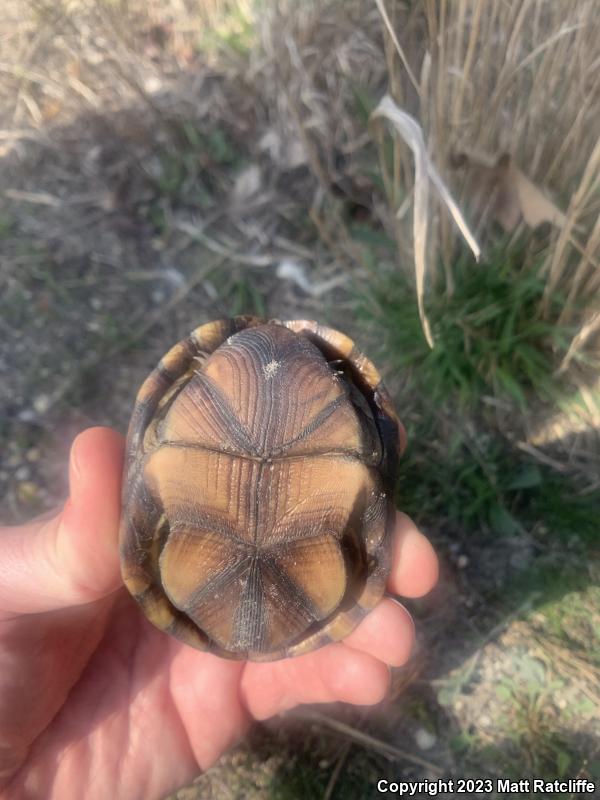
pixel 129 218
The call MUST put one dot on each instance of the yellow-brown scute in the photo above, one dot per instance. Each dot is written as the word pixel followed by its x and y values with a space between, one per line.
pixel 254 555
pixel 298 404
pixel 252 598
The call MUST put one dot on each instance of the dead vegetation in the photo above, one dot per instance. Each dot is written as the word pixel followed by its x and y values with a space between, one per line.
pixel 493 78
pixel 169 162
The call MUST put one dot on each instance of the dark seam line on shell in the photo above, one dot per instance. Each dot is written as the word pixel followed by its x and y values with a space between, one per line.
pixel 209 524
pixel 139 492
pixel 238 481
pixel 288 587
pixel 248 623
pixel 293 539
pixel 213 584
pixel 170 395
pixel 261 469
pixel 209 411
pixel 230 422
pixel 266 509
pixel 279 414
pixel 270 408
pixel 324 509
pixel 225 415
pixel 351 455
pixel 308 377
pixel 321 417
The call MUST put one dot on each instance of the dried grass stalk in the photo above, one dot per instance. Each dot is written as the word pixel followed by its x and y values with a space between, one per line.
pixel 410 131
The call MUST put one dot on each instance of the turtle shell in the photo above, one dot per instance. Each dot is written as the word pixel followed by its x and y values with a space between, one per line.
pixel 261 462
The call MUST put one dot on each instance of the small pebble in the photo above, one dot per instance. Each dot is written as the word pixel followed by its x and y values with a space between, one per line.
pixel 41 403
pixel 462 561
pixel 521 559
pixel 22 473
pixel 27 492
pixel 33 454
pixel 425 739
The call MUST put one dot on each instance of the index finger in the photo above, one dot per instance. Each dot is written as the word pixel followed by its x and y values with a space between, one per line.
pixel 415 569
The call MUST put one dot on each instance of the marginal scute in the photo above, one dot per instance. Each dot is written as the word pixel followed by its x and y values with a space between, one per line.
pixel 177 360
pixel 211 335
pixel 341 343
pixel 259 524
pixel 136 583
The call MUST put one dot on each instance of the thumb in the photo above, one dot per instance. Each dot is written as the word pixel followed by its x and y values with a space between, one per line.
pixel 73 557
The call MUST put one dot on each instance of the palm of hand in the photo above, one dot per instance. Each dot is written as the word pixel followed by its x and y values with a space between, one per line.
pixel 96 702
pixel 107 698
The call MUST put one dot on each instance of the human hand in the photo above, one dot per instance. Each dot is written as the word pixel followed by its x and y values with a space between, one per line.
pixel 95 702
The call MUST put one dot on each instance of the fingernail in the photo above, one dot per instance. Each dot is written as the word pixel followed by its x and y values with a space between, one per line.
pixel 405 609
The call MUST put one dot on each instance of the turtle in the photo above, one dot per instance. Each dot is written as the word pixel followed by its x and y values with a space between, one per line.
pixel 258 499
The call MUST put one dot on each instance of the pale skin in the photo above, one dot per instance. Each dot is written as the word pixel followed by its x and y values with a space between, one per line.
pixel 95 702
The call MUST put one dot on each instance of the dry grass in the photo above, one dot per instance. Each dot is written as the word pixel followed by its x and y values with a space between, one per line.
pixel 480 77
pixel 514 78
